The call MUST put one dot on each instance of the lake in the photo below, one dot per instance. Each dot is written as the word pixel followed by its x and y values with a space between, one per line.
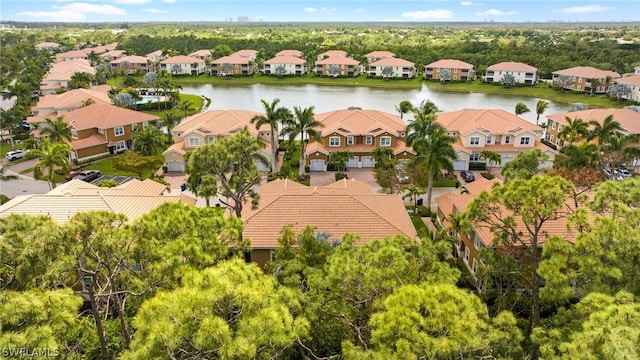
pixel 329 98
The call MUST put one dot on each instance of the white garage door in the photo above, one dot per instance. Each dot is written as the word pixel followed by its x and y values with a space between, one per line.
pixel 460 165
pixel 367 162
pixel 316 165
pixel 352 163
pixel 504 160
pixel 175 165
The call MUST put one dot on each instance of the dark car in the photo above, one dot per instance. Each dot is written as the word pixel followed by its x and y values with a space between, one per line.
pixel 467 176
pixel 88 175
pixel 72 175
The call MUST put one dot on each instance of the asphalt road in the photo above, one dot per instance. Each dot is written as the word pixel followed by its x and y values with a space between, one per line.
pixel 26 184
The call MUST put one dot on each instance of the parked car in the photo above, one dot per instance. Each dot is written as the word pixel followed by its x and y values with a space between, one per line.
pixel 88 175
pixel 624 173
pixel 467 176
pixel 15 154
pixel 402 176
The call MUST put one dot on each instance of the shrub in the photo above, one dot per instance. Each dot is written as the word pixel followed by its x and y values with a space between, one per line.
pixel 340 176
pixel 488 176
pixel 549 144
pixel 476 165
pixel 331 167
pixel 108 183
pixel 4 198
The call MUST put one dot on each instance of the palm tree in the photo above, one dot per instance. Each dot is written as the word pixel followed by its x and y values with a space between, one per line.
pixel 434 153
pixel 491 157
pixel 57 131
pixel 574 130
pixel 303 123
pixel 383 156
pixel 521 108
pixel 52 156
pixel 579 156
pixel 170 120
pixel 148 141
pixel 617 150
pixel 427 107
pixel 88 101
pixel 340 159
pixel 412 192
pixel 404 107
pixel 186 107
pixel 603 131
pixel 541 107
pixel 594 85
pixel 4 177
pixel 8 120
pixel 274 115
pixel 421 127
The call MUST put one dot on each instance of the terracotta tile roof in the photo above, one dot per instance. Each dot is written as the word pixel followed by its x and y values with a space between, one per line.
pixel 481 184
pixel 219 122
pixel 177 147
pixel 491 121
pixel 113 53
pixel 91 141
pixel 131 59
pixel 587 72
pixel 628 119
pixel 71 54
pixel 71 99
pixel 337 60
pixel 201 53
pixel 380 55
pixel 512 66
pixel 76 196
pixel 285 59
pixel 47 44
pixel 105 116
pixel 156 53
pixel 296 53
pixel 332 53
pixel 393 62
pixel 247 53
pixel 360 122
pixel 231 59
pixel 449 63
pixel 100 49
pixel 63 71
pixel 344 186
pixel 181 59
pixel 631 80
pixel 330 209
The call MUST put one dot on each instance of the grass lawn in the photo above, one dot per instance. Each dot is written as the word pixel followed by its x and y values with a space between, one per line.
pixel 444 183
pixel 420 226
pixel 106 168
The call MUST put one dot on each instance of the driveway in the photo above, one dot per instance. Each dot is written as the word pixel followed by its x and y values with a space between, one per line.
pixel 320 178
pixel 26 184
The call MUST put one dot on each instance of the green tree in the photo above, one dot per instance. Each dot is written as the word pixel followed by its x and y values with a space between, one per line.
pixel 575 130
pixel 602 131
pixel 137 163
pixel 280 71
pixel 274 116
pixel 170 119
pixel 187 107
pixel 525 165
pixel 340 159
pixel 9 119
pixel 541 107
pixel 421 127
pixel 563 82
pixel 620 91
pixel 412 192
pixel 148 141
pixel 303 122
pixel 383 157
pixel 490 157
pixel 521 108
pixel 232 310
pixel 226 69
pixel 516 213
pixel 444 75
pixel 51 157
pixel 594 85
pixel 57 131
pixel 80 80
pixel 404 107
pixel 387 72
pixel 583 155
pixel 508 80
pixel 232 161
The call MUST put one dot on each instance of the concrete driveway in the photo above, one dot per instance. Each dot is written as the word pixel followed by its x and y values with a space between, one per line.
pixel 320 178
pixel 26 184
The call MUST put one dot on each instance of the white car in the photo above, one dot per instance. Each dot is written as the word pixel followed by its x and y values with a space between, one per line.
pixel 624 172
pixel 15 154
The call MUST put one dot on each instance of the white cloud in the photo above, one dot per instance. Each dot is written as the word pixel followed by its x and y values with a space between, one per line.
pixel 131 2
pixel 360 10
pixel 170 1
pixel 155 11
pixel 470 3
pixel 583 9
pixel 54 15
pixel 495 12
pixel 74 12
pixel 310 9
pixel 437 14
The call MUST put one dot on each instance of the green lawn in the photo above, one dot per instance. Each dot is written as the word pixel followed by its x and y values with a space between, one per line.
pixel 421 227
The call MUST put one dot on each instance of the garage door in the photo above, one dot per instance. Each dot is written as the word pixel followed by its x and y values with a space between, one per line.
pixel 460 165
pixel 352 163
pixel 367 162
pixel 175 166
pixel 504 160
pixel 316 165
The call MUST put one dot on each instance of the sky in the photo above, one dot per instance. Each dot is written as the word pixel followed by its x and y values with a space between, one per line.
pixel 319 11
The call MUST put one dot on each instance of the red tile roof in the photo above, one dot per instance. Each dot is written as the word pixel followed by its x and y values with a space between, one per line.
pixel 493 121
pixel 450 63
pixel 587 72
pixel 181 59
pixel 105 116
pixel 628 119
pixel 512 66
pixel 393 62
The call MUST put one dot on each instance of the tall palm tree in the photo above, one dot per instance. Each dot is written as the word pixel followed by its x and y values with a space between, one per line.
pixel 579 156
pixel 617 149
pixel 574 130
pixel 404 107
pixel 421 127
pixel 603 131
pixel 148 141
pixel 491 157
pixel 170 120
pixel 8 120
pixel 303 122
pixel 274 116
pixel 56 130
pixel 51 156
pixel 541 107
pixel 383 156
pixel 427 107
pixel 521 108
pixel 434 153
pixel 186 106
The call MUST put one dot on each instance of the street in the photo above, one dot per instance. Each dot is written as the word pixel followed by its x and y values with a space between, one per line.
pixel 26 185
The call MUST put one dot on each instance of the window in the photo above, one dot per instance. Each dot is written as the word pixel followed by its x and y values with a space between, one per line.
pixel 489 139
pixel 476 242
pixel 525 140
pixel 194 141
pixel 210 139
pixel 134 127
pixel 369 140
pixel 118 130
pixel 507 139
pixel 350 140
pixel 121 146
pixel 551 138
pixel 474 267
pixel 474 157
pixel 334 141
pixel 466 254
pixel 553 125
pixel 385 141
pixel 145 124
pixel 474 140
pixel 74 133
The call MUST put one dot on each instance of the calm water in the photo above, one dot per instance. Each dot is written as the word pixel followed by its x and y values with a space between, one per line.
pixel 329 98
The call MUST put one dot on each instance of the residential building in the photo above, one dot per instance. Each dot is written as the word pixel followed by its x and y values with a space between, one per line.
pixel 181 64
pixel 496 130
pixel 53 105
pixel 57 78
pixel 204 54
pixel 133 199
pixel 332 53
pixel 338 66
pixel 522 73
pixel 246 53
pixel 398 68
pixel 296 53
pixel 113 55
pixel 130 63
pixel 629 121
pixel 358 131
pixel 103 129
pixel 343 207
pixel 49 46
pixel 378 55
pixel 232 65
pixel 290 65
pixel 458 70
pixel 633 81
pixel 100 49
pixel 206 127
pixel 586 79
pixel 155 56
pixel 72 55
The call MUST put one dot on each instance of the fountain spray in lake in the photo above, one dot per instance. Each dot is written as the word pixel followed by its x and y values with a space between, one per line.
pixel 421 96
